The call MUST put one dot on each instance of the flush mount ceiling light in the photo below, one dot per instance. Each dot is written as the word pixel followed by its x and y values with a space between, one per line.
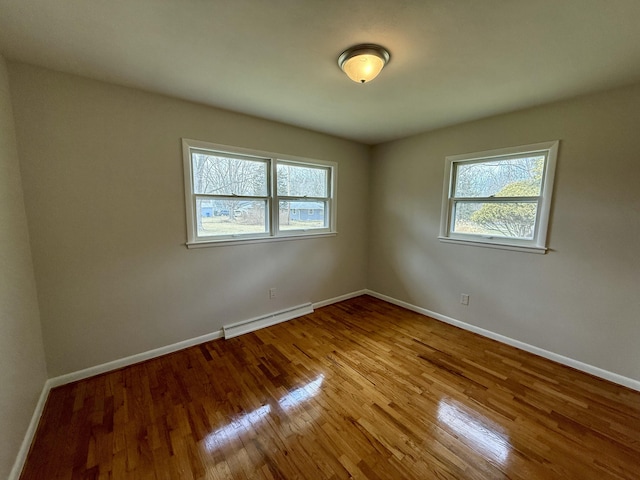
pixel 363 63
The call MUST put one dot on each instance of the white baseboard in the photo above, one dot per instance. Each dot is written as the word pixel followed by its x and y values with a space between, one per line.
pixel 140 357
pixel 137 358
pixel 570 362
pixel 341 298
pixel 125 362
pixel 21 458
pixel 257 323
pixel 90 372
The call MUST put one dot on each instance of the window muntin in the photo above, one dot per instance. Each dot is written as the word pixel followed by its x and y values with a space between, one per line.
pixel 235 194
pixel 499 198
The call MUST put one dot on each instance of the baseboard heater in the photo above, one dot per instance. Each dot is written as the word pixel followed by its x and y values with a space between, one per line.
pixel 246 326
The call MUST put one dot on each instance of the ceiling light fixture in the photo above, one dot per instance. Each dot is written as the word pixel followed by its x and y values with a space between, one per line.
pixel 362 63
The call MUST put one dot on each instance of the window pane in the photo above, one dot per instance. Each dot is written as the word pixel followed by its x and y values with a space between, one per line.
pixel 302 215
pixel 296 181
pixel 230 217
pixel 515 177
pixel 217 174
pixel 501 219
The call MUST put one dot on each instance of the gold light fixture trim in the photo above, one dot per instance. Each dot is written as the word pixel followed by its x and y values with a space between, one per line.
pixel 362 63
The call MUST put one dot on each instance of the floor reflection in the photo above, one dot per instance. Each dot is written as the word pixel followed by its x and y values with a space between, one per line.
pixel 476 430
pixel 250 419
pixel 301 394
pixel 245 422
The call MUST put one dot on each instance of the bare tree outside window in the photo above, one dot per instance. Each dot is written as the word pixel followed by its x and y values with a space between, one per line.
pixel 518 179
pixel 302 191
pixel 235 194
pixel 229 192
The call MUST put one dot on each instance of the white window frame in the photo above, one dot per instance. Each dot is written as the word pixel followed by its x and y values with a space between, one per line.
pixel 538 244
pixel 273 232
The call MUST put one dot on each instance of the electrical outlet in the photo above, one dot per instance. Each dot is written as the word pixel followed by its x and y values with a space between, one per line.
pixel 272 292
pixel 464 299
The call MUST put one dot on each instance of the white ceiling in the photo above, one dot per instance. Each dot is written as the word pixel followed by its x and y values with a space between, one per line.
pixel 451 60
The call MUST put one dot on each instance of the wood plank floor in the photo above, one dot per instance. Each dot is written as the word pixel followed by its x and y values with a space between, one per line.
pixel 359 389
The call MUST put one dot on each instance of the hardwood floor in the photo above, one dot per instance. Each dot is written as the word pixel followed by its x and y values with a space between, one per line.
pixel 359 389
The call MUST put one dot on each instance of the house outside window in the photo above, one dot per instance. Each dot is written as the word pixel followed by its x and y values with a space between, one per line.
pixel 235 195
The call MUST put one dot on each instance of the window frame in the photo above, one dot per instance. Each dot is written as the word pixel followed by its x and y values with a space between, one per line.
pixel 538 244
pixel 295 198
pixel 272 212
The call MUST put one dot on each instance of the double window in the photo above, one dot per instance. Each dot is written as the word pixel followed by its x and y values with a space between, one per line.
pixel 499 198
pixel 235 194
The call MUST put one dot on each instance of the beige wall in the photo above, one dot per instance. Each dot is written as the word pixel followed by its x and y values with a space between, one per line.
pixel 101 171
pixel 22 365
pixel 582 299
pixel 102 174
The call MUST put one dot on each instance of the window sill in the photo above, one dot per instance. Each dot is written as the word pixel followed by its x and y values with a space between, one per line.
pixel 502 246
pixel 231 242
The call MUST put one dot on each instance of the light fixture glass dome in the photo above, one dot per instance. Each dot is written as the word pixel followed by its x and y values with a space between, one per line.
pixel 363 63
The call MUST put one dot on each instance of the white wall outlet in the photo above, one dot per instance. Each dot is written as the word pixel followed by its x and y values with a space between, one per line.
pixel 464 299
pixel 272 292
